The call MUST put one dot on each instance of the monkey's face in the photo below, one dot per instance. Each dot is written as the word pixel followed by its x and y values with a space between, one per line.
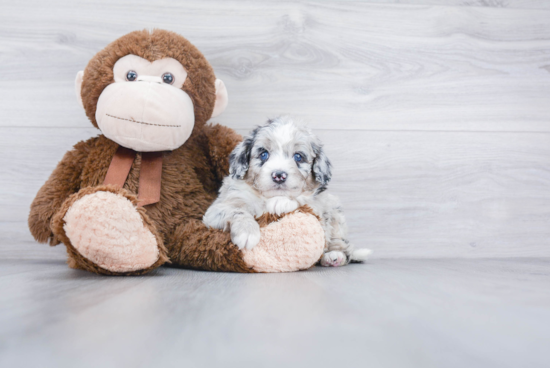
pixel 145 108
pixel 151 98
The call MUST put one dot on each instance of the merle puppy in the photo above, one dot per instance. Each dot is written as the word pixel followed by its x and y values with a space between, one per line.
pixel 277 168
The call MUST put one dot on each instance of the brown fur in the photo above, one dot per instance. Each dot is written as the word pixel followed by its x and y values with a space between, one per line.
pixel 64 181
pixel 153 46
pixel 268 218
pixel 191 174
pixel 215 253
pixel 212 256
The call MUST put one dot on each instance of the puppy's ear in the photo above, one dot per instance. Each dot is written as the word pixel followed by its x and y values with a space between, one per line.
pixel 321 167
pixel 240 158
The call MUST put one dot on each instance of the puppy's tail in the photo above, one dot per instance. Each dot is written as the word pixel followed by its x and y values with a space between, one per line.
pixel 360 255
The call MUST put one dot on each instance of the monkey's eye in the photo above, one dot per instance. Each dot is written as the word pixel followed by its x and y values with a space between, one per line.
pixel 298 157
pixel 168 78
pixel 131 76
pixel 264 156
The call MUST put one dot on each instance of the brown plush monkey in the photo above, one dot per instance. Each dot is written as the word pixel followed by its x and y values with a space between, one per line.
pixel 131 199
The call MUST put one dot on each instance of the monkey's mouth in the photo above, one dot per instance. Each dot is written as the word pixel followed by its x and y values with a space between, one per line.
pixel 142 122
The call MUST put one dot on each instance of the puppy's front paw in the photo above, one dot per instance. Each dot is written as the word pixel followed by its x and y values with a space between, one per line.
pixel 280 204
pixel 245 233
pixel 334 258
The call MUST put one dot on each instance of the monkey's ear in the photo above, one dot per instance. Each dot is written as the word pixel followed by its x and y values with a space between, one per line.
pixel 78 87
pixel 221 98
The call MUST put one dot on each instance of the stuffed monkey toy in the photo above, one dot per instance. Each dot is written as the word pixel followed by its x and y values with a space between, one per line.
pixel 131 199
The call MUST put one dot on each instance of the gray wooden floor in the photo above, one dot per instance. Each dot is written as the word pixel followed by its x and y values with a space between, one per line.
pixel 436 115
pixel 387 313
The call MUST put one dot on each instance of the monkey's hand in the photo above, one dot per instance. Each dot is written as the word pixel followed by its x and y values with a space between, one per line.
pixel 245 232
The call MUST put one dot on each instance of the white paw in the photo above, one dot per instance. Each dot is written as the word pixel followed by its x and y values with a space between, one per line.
pixel 334 258
pixel 245 233
pixel 279 205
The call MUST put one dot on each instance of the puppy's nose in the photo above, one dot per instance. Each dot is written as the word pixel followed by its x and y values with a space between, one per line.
pixel 279 177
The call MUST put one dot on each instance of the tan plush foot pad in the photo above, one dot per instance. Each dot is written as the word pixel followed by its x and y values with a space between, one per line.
pixel 294 242
pixel 107 229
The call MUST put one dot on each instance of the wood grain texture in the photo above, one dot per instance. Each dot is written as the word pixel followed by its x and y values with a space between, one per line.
pixel 343 65
pixel 435 115
pixel 508 4
pixel 405 194
pixel 387 313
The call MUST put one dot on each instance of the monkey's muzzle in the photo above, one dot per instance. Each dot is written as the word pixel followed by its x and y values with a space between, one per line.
pixel 145 115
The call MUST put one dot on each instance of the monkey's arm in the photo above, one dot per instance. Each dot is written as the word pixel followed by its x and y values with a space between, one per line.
pixel 290 244
pixel 193 245
pixel 64 181
pixel 221 141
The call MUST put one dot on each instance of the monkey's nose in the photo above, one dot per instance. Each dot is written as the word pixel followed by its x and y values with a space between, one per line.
pixel 279 177
pixel 149 78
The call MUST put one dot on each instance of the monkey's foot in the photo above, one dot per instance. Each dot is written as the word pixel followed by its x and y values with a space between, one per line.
pixel 291 243
pixel 106 232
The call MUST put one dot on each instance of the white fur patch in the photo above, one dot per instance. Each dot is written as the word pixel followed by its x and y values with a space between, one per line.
pixel 360 255
pixel 279 205
pixel 334 258
pixel 245 233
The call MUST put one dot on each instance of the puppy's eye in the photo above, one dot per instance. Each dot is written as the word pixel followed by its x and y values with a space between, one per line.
pixel 264 156
pixel 131 76
pixel 168 78
pixel 298 157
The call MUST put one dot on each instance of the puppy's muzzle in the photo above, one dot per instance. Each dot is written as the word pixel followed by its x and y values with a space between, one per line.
pixel 279 177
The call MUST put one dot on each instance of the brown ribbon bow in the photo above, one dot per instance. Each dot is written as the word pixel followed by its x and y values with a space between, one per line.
pixel 149 175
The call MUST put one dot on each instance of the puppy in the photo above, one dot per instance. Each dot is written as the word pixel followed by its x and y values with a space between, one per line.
pixel 279 167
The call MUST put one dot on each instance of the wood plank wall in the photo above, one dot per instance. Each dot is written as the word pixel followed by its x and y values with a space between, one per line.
pixel 436 114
